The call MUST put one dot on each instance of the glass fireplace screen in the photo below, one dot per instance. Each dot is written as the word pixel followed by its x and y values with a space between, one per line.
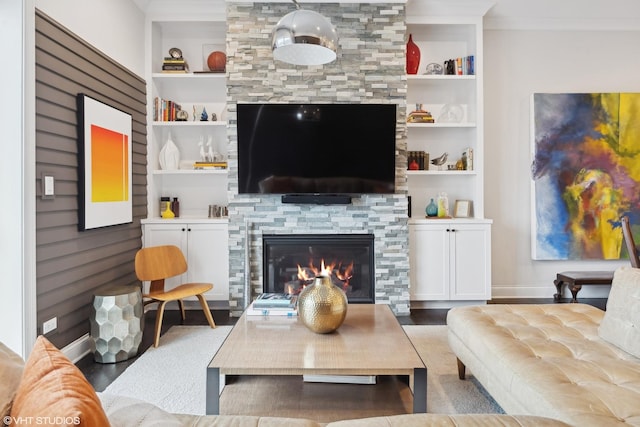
pixel 290 262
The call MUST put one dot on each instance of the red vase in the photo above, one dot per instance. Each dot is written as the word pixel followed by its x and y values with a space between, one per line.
pixel 413 56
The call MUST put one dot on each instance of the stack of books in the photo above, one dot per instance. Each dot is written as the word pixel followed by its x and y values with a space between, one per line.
pixel 273 304
pixel 209 165
pixel 174 65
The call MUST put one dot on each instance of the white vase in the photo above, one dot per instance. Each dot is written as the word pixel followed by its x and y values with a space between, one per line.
pixel 169 156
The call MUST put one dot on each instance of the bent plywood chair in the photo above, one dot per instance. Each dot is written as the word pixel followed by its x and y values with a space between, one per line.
pixel 157 263
pixel 631 245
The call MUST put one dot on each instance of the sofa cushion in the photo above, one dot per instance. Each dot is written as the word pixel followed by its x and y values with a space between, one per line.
pixel 443 420
pixel 55 390
pixel 621 323
pixel 125 411
pixel 11 366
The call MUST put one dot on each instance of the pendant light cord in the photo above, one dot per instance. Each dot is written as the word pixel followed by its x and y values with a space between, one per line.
pixel 296 3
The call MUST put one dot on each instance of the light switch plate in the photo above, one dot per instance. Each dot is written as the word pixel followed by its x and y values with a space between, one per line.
pixel 48 185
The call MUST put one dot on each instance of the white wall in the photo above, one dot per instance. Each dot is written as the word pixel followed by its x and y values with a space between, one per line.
pixel 115 27
pixel 17 291
pixel 518 64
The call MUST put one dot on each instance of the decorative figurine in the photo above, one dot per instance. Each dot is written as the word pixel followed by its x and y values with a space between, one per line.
pixel 210 149
pixel 203 154
pixel 439 161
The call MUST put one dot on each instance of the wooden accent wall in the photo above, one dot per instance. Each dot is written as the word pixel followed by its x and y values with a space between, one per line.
pixel 71 264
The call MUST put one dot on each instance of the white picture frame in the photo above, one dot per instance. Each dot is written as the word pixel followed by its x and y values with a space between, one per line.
pixel 462 209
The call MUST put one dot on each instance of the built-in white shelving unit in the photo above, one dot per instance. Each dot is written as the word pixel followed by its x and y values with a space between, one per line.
pixel 450 258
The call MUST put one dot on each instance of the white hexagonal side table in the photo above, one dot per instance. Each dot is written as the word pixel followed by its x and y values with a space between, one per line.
pixel 116 323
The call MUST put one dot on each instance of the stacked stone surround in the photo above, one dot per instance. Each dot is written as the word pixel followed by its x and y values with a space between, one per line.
pixel 370 68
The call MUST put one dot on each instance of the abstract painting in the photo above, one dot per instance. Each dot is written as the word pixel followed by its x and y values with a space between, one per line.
pixel 105 164
pixel 585 173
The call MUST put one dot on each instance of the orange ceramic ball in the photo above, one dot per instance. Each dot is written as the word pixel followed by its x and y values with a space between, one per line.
pixel 217 61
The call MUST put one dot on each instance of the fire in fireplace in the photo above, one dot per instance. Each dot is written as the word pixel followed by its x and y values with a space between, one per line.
pixel 290 262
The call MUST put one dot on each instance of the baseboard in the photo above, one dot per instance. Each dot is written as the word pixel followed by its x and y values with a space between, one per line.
pixel 590 291
pixel 78 349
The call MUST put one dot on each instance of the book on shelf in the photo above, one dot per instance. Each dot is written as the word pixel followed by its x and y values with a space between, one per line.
pixel 468 153
pixel 275 300
pixel 418 160
pixel 165 110
pixel 210 165
pixel 252 310
pixel 175 65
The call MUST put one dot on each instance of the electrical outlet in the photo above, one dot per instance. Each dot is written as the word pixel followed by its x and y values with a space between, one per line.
pixel 49 325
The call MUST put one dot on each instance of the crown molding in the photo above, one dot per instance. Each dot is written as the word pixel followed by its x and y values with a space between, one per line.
pixel 561 24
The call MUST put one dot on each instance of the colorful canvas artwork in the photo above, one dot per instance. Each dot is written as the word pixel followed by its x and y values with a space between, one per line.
pixel 104 148
pixel 585 173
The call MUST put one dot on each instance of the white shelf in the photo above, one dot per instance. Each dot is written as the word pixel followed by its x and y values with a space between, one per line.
pixel 449 77
pixel 442 125
pixel 192 172
pixel 189 123
pixel 189 76
pixel 443 172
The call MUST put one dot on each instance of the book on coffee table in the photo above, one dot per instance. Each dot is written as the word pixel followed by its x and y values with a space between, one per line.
pixel 275 300
pixel 252 310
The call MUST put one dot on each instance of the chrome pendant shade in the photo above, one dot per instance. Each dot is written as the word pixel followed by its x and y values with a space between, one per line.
pixel 304 37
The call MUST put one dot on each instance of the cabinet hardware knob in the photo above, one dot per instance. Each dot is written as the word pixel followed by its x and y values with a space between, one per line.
pixel 183 229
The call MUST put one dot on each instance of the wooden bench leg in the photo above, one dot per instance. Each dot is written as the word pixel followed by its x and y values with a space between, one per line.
pixel 574 292
pixel 461 369
pixel 558 295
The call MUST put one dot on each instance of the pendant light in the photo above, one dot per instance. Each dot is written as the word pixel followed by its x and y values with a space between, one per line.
pixel 304 37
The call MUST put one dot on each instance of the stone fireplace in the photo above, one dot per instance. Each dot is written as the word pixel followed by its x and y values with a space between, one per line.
pixel 370 68
pixel 291 262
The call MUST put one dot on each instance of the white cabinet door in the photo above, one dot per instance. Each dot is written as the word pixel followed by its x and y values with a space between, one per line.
pixel 429 263
pixel 206 248
pixel 470 262
pixel 450 261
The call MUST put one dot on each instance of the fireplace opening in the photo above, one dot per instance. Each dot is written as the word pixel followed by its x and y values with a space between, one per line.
pixel 291 262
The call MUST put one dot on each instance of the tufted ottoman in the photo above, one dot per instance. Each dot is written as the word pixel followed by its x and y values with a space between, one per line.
pixel 548 360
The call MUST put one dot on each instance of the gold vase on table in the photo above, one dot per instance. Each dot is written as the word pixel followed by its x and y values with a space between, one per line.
pixel 322 306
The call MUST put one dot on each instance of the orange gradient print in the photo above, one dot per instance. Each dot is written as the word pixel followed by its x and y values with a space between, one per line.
pixel 109 165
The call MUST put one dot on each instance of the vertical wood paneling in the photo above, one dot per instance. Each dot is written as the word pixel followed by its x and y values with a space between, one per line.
pixel 71 264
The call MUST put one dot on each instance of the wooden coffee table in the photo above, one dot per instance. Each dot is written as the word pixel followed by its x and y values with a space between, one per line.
pixel 369 342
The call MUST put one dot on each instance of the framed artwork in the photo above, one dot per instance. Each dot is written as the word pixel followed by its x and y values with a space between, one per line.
pixel 462 209
pixel 585 173
pixel 104 150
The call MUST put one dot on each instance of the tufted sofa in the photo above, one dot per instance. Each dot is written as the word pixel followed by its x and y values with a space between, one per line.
pixel 571 362
pixel 49 390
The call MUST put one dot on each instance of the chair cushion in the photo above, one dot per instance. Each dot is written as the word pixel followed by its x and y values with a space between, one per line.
pixel 621 323
pixel 53 388
pixel 11 366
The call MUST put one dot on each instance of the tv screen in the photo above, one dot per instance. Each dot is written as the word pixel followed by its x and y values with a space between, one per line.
pixel 316 148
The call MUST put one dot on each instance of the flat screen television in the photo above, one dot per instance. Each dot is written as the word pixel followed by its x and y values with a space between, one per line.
pixel 316 148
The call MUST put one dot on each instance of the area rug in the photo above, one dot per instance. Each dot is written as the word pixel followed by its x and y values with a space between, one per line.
pixel 172 376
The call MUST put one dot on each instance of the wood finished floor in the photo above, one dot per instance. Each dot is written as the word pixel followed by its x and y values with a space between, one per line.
pixel 101 375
